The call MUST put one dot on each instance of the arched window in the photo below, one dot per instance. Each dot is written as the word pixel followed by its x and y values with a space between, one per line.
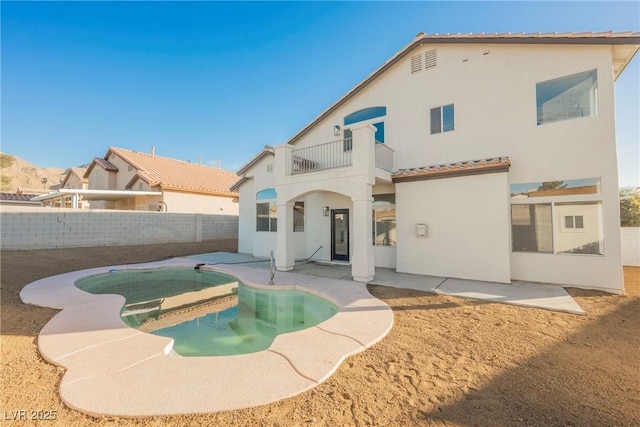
pixel 266 194
pixel 365 114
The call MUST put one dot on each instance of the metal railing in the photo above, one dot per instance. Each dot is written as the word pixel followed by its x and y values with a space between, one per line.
pixel 330 155
pixel 384 157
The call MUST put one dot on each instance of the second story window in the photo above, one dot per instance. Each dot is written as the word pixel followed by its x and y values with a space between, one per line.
pixel 567 97
pixel 442 119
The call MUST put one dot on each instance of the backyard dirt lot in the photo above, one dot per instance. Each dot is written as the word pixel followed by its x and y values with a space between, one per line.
pixel 447 361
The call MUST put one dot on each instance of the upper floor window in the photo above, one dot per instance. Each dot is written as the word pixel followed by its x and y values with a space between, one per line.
pixel 365 114
pixel 373 115
pixel 442 119
pixel 567 97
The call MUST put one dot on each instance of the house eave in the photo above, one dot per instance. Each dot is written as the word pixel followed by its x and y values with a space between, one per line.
pixel 197 191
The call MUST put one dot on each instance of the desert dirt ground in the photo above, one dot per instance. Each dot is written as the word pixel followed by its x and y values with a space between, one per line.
pixel 447 361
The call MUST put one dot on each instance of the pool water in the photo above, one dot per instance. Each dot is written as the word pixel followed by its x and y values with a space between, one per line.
pixel 208 313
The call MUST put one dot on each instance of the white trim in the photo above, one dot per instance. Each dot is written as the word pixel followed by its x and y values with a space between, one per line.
pixel 95 194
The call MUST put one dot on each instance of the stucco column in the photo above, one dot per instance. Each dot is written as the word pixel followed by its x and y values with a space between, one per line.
pixel 364 151
pixel 282 163
pixel 285 251
pixel 363 262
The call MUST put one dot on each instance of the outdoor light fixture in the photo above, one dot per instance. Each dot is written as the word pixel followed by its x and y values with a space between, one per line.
pixel 336 130
pixel 325 211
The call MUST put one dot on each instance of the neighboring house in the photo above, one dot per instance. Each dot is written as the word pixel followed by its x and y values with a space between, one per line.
pixel 74 179
pixel 489 157
pixel 131 180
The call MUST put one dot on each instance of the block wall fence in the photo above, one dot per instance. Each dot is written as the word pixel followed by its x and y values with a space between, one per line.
pixel 23 228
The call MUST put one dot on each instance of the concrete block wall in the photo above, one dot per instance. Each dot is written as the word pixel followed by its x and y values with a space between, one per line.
pixel 24 228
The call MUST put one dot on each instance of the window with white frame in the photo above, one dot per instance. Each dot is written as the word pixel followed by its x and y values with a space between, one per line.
pixel 442 119
pixel 384 220
pixel 573 222
pixel 560 217
pixel 567 97
pixel 266 210
pixel 298 217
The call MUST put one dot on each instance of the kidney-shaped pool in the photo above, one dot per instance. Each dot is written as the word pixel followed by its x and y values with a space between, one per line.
pixel 208 313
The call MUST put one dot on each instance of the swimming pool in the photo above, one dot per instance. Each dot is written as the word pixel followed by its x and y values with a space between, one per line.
pixel 208 313
pixel 105 359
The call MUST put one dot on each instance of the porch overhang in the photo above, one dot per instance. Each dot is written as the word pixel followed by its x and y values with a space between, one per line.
pixel 95 194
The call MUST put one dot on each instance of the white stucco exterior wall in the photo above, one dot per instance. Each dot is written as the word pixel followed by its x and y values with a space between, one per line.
pixel 181 202
pixel 250 241
pixel 467 219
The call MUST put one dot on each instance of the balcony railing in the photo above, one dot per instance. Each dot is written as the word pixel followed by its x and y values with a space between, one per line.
pixel 333 155
pixel 330 155
pixel 384 157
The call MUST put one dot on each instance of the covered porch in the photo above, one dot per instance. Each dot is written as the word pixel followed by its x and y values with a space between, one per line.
pixel 348 169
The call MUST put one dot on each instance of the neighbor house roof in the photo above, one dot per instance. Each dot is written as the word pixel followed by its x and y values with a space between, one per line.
pixel 31 191
pixel 472 167
pixel 627 44
pixel 172 174
pixel 16 197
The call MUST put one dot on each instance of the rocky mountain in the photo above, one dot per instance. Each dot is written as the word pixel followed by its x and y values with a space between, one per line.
pixel 18 173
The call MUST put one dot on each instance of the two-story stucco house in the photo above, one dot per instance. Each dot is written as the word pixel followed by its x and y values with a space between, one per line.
pixel 489 157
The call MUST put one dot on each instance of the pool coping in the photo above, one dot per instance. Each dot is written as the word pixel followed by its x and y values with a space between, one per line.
pixel 113 369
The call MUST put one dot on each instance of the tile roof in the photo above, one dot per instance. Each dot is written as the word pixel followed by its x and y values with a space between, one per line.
pixel 607 37
pixel 32 191
pixel 15 197
pixel 105 164
pixel 176 174
pixel 472 167
pixel 584 36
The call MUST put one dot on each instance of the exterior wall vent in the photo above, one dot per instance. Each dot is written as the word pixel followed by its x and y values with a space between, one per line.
pixel 270 167
pixel 430 59
pixel 416 64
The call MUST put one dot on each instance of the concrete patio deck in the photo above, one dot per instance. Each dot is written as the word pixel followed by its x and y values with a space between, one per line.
pixel 526 294
pixel 113 369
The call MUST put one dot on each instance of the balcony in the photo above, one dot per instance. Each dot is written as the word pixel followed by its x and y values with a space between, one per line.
pixel 316 158
pixel 332 155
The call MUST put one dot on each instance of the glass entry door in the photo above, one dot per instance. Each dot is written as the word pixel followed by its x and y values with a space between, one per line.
pixel 340 234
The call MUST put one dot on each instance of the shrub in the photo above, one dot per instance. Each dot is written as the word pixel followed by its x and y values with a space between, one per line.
pixel 629 207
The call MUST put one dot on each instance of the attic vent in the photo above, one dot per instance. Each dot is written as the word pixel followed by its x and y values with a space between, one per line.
pixel 429 59
pixel 416 64
pixel 270 167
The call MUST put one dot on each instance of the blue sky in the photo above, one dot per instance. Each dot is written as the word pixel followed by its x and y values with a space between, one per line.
pixel 220 80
